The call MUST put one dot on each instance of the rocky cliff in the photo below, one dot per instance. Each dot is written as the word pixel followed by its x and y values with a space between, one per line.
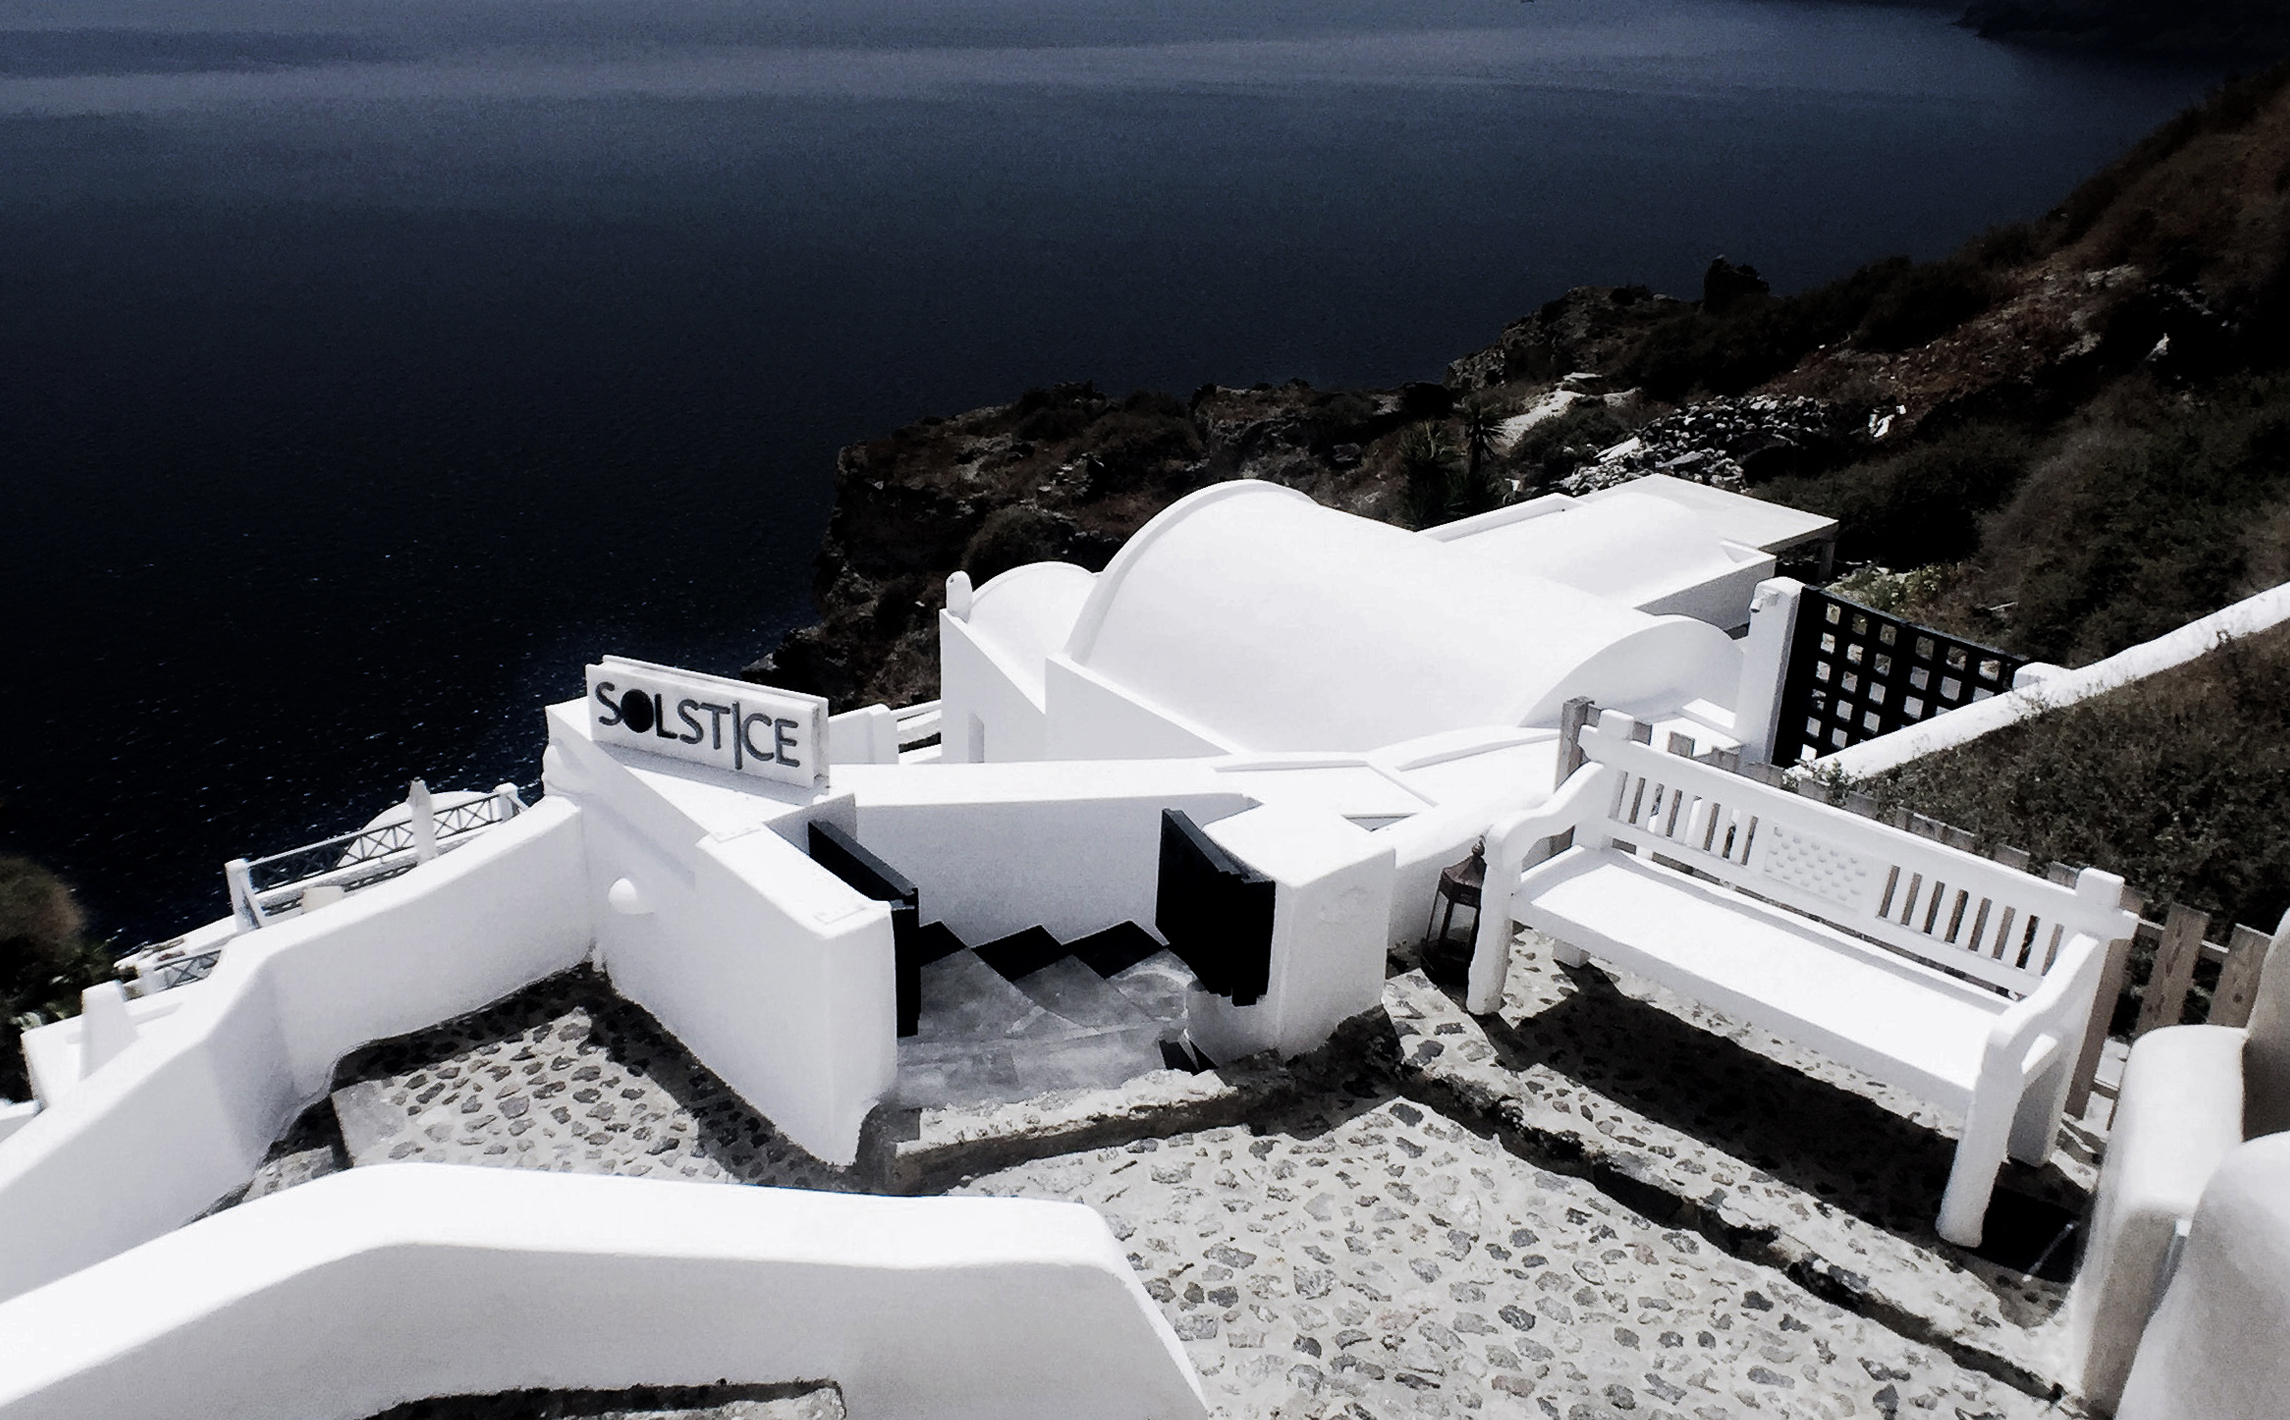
pixel 2080 424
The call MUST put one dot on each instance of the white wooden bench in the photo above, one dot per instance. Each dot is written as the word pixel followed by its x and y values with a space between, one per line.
pixel 1964 981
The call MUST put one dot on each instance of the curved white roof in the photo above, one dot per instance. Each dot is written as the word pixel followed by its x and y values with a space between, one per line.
pixel 1026 614
pixel 1252 610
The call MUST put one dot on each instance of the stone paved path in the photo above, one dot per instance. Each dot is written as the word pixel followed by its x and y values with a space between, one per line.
pixel 1360 1254
pixel 1798 1160
pixel 1384 1261
pixel 567 1077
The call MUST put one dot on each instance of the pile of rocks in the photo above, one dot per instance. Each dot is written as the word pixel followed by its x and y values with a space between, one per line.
pixel 1728 443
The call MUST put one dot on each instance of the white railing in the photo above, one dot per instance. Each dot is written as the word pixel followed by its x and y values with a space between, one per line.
pixel 917 724
pixel 262 888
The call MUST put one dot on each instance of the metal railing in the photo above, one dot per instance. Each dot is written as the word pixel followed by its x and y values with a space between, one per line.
pixel 262 888
pixel 1855 673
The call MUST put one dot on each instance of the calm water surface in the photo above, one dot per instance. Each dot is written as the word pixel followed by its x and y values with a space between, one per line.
pixel 369 367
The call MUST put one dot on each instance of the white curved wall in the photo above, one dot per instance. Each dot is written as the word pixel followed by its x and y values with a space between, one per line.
pixel 992 661
pixel 1026 614
pixel 184 1115
pixel 1282 625
pixel 346 1296
pixel 2214 1348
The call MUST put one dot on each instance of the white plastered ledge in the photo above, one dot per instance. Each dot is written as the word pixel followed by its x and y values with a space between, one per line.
pixel 364 1290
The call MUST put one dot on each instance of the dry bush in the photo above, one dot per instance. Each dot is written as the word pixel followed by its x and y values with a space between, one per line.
pixel 2140 517
pixel 2179 783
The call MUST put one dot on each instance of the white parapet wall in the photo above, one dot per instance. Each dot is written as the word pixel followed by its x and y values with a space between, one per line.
pixel 772 971
pixel 358 1292
pixel 184 1114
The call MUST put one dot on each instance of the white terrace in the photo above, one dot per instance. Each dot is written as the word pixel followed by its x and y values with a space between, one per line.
pixel 1177 814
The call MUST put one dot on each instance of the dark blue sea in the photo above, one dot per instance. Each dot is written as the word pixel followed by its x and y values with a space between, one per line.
pixel 366 368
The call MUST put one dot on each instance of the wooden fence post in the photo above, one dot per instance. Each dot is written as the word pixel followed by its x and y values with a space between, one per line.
pixel 2238 978
pixel 2095 1030
pixel 2174 972
pixel 1572 717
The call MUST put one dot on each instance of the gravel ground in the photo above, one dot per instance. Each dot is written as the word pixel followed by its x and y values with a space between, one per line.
pixel 1381 1260
pixel 564 1076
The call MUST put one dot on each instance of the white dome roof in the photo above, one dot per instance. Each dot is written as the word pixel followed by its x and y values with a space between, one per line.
pixel 1254 612
pixel 1025 615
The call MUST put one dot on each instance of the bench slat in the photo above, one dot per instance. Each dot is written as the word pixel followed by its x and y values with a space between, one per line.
pixel 1937 904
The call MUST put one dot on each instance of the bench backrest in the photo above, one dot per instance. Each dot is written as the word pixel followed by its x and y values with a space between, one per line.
pixel 1952 909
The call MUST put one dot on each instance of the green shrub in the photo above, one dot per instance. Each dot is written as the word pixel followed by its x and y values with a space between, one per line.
pixel 1554 448
pixel 2138 519
pixel 46 960
pixel 1926 302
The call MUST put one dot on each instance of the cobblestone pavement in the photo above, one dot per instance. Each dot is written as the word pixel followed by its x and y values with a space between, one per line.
pixel 1803 1162
pixel 1360 1253
pixel 564 1076
pixel 1384 1261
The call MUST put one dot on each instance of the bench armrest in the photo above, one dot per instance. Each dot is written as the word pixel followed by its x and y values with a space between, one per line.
pixel 2046 1025
pixel 1513 842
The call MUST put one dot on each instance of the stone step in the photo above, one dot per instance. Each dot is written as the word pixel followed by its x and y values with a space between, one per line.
pixel 950 1073
pixel 1116 949
pixel 1157 985
pixel 1067 988
pixel 1022 953
pixel 964 999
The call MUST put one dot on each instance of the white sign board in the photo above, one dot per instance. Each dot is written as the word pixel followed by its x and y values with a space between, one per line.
pixel 706 719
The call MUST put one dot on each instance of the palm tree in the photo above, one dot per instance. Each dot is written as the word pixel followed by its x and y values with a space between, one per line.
pixel 1428 461
pixel 1481 425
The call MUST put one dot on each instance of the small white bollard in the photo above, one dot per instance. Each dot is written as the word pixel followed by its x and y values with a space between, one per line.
pixel 422 815
pixel 105 1027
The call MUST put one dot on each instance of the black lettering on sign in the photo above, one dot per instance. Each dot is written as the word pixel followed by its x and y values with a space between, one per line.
pixel 636 711
pixel 716 715
pixel 660 717
pixel 781 744
pixel 684 709
pixel 736 722
pixel 747 735
pixel 604 698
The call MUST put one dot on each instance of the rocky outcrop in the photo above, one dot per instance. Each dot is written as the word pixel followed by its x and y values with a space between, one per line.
pixel 1588 328
pixel 2166 273
pixel 1733 443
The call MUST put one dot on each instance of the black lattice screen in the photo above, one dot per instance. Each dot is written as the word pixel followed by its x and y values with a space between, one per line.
pixel 1855 674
